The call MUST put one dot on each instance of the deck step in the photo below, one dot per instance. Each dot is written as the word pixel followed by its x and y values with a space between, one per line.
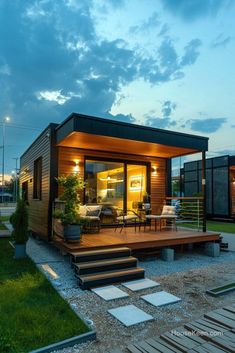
pixel 93 255
pixel 98 279
pixel 90 267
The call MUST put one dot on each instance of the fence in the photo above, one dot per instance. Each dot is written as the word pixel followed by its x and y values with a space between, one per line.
pixel 189 210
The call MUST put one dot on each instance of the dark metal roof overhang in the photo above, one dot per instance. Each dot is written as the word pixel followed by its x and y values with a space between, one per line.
pixel 88 132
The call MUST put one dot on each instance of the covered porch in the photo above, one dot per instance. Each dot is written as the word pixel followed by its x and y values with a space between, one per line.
pixel 123 165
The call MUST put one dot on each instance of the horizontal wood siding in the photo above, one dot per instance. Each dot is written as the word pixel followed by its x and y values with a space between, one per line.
pixel 232 191
pixel 38 209
pixel 69 156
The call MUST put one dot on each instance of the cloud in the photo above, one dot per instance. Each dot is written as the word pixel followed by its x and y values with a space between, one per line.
pixel 191 52
pixel 151 119
pixel 52 63
pixel 56 61
pixel 161 123
pixel 170 65
pixel 167 108
pixel 149 24
pixel 209 125
pixel 190 10
pixel 227 151
pixel 126 118
pixel 221 41
pixel 164 30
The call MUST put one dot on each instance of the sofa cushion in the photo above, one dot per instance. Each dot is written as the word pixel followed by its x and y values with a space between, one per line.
pixel 93 211
pixel 168 211
pixel 82 210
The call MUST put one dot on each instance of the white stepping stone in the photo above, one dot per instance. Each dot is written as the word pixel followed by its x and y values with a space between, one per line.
pixel 50 271
pixel 130 315
pixel 139 284
pixel 161 298
pixel 110 293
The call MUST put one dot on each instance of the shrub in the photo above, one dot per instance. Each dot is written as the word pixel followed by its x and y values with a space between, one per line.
pixel 19 221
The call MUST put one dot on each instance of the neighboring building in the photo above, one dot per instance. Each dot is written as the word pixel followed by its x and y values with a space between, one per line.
pixel 220 184
pixel 120 162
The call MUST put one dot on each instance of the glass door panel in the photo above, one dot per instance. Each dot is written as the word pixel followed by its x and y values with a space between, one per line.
pixel 136 185
pixel 105 185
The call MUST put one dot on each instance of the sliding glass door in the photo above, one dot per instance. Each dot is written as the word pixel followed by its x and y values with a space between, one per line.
pixel 105 185
pixel 115 185
pixel 136 185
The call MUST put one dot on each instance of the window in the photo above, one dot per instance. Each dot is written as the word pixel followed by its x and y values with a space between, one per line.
pixel 25 190
pixel 37 179
pixel 115 185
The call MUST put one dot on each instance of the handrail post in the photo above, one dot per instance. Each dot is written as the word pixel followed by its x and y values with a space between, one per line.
pixel 198 215
pixel 204 188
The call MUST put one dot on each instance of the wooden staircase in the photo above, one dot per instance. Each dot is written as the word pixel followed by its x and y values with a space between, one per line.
pixel 107 266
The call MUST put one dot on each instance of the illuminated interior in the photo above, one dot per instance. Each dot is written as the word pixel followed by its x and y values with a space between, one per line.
pixel 115 185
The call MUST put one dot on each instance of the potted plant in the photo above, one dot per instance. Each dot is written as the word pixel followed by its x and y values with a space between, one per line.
pixel 19 221
pixel 67 221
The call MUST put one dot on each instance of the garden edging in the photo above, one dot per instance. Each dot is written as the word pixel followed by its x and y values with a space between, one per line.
pixel 89 336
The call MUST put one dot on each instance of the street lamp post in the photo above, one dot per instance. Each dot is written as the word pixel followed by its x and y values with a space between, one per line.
pixel 16 178
pixel 4 121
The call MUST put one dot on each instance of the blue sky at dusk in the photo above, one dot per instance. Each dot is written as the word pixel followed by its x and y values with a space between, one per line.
pixel 165 63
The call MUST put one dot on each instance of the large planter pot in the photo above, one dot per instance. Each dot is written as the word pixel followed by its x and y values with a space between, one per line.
pixel 20 251
pixel 70 232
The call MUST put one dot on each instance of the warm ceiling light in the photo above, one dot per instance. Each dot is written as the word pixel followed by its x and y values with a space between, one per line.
pixel 108 179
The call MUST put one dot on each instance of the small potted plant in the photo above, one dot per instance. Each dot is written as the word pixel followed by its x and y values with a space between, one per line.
pixel 67 221
pixel 19 221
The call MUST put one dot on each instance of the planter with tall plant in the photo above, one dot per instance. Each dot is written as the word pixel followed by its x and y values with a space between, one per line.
pixel 67 221
pixel 19 221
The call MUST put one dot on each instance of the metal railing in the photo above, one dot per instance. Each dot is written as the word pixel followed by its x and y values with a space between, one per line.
pixel 233 206
pixel 189 210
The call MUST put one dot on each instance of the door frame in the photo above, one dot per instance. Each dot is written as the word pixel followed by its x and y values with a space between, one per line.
pixel 125 162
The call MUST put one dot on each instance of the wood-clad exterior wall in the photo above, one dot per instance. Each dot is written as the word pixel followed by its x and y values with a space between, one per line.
pixel 158 179
pixel 40 209
pixel 232 191
pixel 61 161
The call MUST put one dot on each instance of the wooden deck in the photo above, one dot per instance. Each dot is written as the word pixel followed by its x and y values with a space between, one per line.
pixel 215 333
pixel 139 240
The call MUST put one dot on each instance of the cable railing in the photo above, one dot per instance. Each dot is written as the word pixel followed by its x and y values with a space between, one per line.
pixel 189 210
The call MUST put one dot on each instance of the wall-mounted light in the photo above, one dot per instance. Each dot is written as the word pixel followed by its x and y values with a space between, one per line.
pixel 25 171
pixel 154 170
pixel 76 167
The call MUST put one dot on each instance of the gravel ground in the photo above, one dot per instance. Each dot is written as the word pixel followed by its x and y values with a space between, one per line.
pixel 188 278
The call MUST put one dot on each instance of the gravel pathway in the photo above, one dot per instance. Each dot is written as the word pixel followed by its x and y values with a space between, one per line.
pixel 188 277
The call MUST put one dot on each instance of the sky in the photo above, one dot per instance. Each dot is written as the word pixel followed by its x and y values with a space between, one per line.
pixel 162 63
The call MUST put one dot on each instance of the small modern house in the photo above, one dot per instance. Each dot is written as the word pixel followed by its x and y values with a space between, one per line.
pixel 120 162
pixel 220 184
pixel 124 166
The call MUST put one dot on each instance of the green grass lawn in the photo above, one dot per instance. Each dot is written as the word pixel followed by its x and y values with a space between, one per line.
pixel 227 227
pixel 2 226
pixel 32 314
pixel 4 218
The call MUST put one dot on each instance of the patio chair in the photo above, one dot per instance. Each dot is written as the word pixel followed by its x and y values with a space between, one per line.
pixel 125 217
pixel 169 213
pixel 92 214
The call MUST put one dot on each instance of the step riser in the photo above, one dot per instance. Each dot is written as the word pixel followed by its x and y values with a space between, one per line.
pixel 110 267
pixel 114 279
pixel 97 257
